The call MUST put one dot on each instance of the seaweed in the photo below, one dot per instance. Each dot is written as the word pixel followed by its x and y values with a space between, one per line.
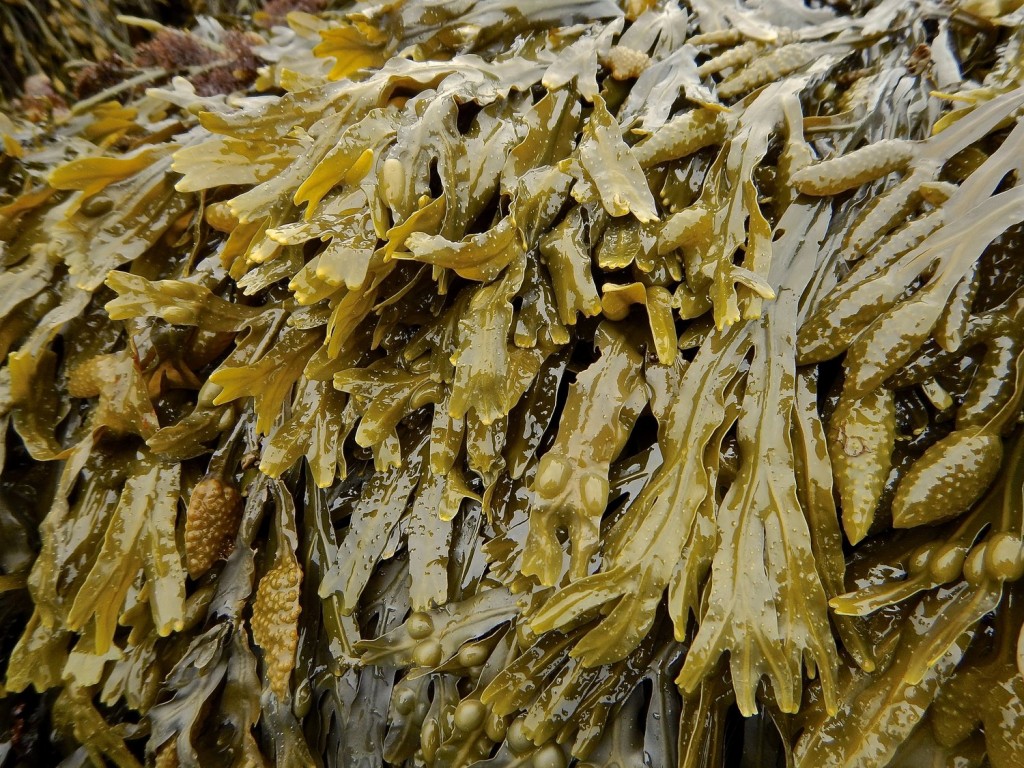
pixel 519 384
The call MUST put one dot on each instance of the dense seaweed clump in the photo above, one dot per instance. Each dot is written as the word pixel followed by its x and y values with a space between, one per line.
pixel 521 383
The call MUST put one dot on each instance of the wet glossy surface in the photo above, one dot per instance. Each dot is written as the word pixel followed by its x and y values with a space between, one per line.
pixel 521 384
